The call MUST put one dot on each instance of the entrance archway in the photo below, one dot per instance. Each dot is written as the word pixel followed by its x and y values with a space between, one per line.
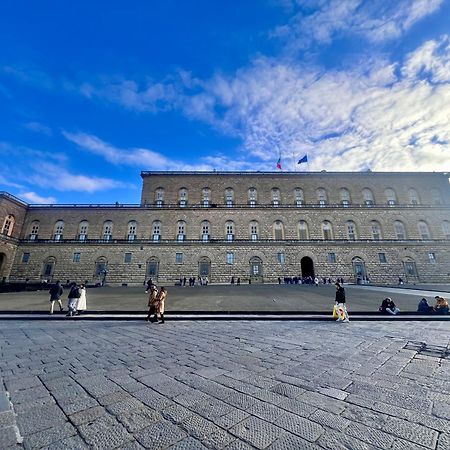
pixel 410 268
pixel 359 269
pixel 256 273
pixel 48 269
pixel 152 268
pixel 204 268
pixel 307 267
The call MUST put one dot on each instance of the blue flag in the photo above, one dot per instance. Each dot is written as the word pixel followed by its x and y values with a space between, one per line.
pixel 303 160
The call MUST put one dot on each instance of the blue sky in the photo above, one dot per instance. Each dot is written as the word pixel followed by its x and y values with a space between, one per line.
pixel 91 93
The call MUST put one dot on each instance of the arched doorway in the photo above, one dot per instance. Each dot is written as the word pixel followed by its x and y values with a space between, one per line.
pixel 48 269
pixel 204 268
pixel 410 268
pixel 2 267
pixel 359 269
pixel 307 267
pixel 256 273
pixel 152 268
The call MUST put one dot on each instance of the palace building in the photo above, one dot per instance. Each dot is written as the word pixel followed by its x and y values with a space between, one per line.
pixel 254 225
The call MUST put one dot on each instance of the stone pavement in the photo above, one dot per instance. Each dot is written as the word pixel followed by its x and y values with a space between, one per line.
pixel 231 298
pixel 233 385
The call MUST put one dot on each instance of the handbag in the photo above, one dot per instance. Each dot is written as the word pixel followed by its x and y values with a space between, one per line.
pixel 335 312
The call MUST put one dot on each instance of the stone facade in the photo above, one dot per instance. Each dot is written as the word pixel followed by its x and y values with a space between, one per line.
pixel 257 226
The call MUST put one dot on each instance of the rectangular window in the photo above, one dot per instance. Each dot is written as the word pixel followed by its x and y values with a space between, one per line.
pixel 382 257
pixel 127 258
pixel 230 258
pixel 432 257
pixel 76 257
pixel 281 258
pixel 25 257
pixel 179 258
pixel 332 258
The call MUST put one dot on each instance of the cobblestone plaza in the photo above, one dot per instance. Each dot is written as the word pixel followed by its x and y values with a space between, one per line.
pixel 240 385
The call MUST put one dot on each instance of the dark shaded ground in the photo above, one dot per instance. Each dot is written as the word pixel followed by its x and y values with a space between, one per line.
pixel 262 298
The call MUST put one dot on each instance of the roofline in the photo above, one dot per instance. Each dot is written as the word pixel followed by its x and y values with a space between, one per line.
pixel 13 198
pixel 146 173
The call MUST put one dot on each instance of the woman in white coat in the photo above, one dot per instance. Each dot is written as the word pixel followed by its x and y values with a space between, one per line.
pixel 81 305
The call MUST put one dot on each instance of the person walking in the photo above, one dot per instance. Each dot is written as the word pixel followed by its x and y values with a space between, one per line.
pixel 161 300
pixel 152 300
pixel 340 303
pixel 81 304
pixel 74 295
pixel 149 285
pixel 55 296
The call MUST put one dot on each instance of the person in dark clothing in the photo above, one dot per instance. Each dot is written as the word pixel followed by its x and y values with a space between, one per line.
pixel 441 306
pixel 55 296
pixel 423 307
pixel 74 295
pixel 388 307
pixel 340 302
pixel 149 285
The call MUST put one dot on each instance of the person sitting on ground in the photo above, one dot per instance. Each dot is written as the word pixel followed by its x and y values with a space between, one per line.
pixel 388 306
pixel 441 306
pixel 423 307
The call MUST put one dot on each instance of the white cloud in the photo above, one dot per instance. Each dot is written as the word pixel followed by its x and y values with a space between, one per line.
pixel 150 160
pixel 60 179
pixel 365 116
pixel 32 197
pixel 376 20
pixel 38 128
pixel 6 182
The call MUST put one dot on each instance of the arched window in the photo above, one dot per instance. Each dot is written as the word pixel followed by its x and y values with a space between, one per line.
pixel 436 198
pixel 58 230
pixel 156 230
pixel 351 230
pixel 34 230
pixel 345 197
pixel 375 228
pixel 252 196
pixel 327 231
pixel 159 197
pixel 299 197
pixel 413 197
pixel 181 230
pixel 206 197
pixel 424 231
pixel 205 231
pixel 107 230
pixel 278 230
pixel 368 197
pixel 399 229
pixel 132 230
pixel 254 230
pixel 446 229
pixel 48 268
pixel 302 230
pixel 8 225
pixel 83 229
pixel 322 196
pixel 276 198
pixel 229 230
pixel 183 197
pixel 229 197
pixel 391 198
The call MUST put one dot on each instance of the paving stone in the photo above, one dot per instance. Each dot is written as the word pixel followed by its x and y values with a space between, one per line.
pixel 240 400
pixel 370 435
pixel 137 420
pixel 218 439
pixel 175 412
pixel 125 406
pixel 49 436
pixel 336 440
pixel 323 402
pixel 297 407
pixel 329 420
pixel 239 445
pixel 87 415
pixel 78 404
pixel 411 432
pixel 257 432
pixel 265 411
pixel 198 426
pixel 443 442
pixel 232 418
pixel 71 443
pixel 300 426
pixel 288 390
pixel 7 437
pixel 290 441
pixel 104 433
pixel 19 384
pixel 159 435
pixel 188 443
pixel 211 408
pixel 48 417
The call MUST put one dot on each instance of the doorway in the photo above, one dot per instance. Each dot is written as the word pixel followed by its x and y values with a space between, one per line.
pixel 307 267
pixel 204 268
pixel 256 274
pixel 359 269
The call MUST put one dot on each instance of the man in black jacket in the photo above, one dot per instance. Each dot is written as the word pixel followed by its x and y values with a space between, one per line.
pixel 55 296
pixel 73 297
pixel 340 302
